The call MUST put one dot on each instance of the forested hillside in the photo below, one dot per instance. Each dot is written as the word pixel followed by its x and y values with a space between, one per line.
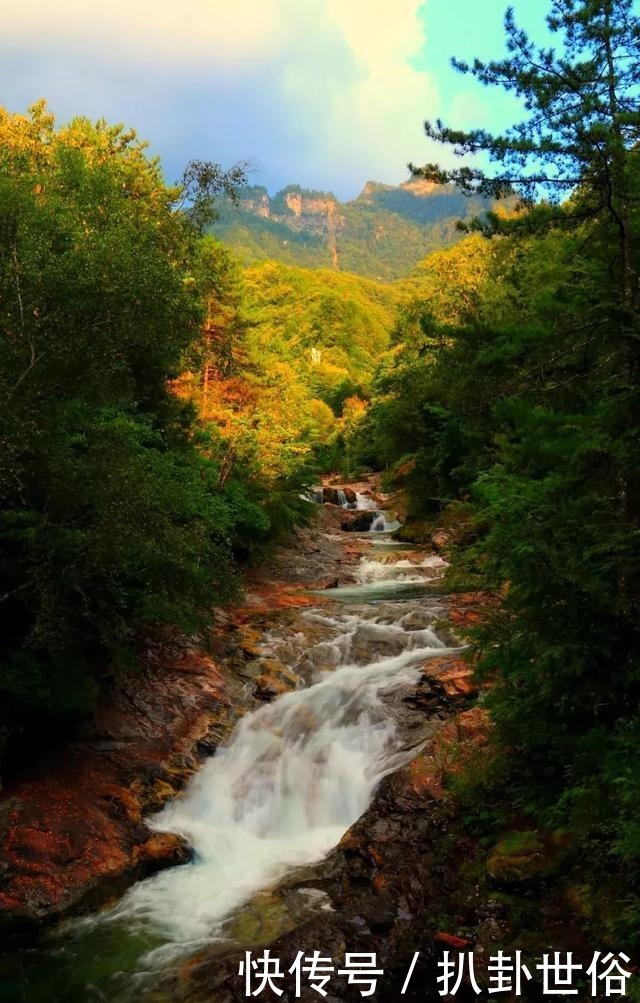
pixel 122 507
pixel 382 233
pixel 330 327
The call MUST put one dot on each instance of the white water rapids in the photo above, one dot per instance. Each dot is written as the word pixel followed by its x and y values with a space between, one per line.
pixel 295 776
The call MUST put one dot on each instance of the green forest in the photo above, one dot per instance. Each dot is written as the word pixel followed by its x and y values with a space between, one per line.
pixel 167 404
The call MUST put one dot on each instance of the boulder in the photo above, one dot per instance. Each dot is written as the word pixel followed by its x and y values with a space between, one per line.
pixel 440 540
pixel 274 679
pixel 358 522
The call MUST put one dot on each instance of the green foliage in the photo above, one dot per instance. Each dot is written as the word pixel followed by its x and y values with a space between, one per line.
pixel 517 385
pixel 328 327
pixel 112 519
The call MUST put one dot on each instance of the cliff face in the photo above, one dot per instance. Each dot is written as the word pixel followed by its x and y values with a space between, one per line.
pixel 296 208
pixel 382 233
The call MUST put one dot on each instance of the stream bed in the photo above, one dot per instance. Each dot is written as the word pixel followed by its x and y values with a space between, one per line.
pixel 295 776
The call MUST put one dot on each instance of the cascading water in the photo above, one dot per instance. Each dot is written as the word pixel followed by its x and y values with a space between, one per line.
pixel 380 523
pixel 365 503
pixel 398 571
pixel 295 776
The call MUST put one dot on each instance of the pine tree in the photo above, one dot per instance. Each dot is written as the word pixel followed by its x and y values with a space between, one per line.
pixel 581 127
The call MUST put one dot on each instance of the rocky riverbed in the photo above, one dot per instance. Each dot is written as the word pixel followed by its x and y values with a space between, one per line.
pixel 317 734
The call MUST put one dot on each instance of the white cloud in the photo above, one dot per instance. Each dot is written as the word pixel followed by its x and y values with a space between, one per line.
pixel 320 91
pixel 153 30
pixel 369 120
pixel 378 32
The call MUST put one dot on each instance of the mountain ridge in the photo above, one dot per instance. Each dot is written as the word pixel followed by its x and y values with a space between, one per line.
pixel 382 233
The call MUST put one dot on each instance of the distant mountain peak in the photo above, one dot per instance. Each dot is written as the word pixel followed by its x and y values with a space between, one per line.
pixel 382 233
pixel 416 186
pixel 421 187
pixel 373 187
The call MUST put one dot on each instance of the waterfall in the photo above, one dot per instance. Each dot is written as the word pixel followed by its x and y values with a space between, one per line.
pixel 296 775
pixel 381 525
pixel 370 571
pixel 318 496
pixel 365 503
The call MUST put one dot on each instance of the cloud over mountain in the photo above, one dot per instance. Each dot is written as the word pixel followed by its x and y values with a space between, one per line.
pixel 324 89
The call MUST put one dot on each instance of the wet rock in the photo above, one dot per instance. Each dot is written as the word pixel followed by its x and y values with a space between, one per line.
pixel 162 849
pixel 274 679
pixel 313 554
pixel 418 619
pixel 371 642
pixel 333 495
pixel 358 522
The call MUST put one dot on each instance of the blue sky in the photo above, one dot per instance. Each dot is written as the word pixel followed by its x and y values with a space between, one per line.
pixel 324 93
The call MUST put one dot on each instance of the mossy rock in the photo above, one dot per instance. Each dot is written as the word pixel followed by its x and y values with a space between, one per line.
pixel 272 914
pixel 261 920
pixel 526 856
pixel 274 679
pixel 414 532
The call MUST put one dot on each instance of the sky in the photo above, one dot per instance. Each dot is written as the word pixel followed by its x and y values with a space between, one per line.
pixel 327 94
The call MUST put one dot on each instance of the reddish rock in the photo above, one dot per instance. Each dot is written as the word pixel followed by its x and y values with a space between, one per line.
pixel 332 495
pixel 453 675
pixel 440 540
pixel 274 679
pixel 74 835
pixel 163 849
pixel 276 595
pixel 468 609
pixel 451 940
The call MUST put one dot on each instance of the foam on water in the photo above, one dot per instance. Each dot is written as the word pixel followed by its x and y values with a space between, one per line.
pixel 295 776
pixel 379 572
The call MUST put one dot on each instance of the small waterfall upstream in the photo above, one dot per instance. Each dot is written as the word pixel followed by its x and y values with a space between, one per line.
pixel 363 503
pixel 382 525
